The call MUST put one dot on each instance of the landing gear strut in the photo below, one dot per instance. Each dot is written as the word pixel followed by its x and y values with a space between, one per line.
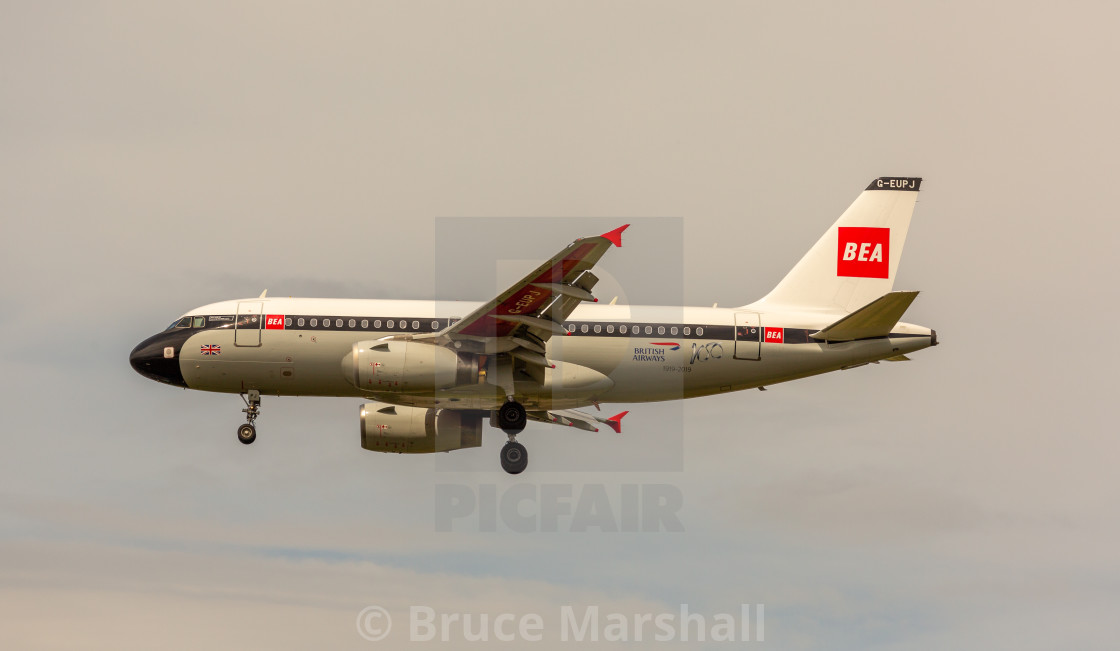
pixel 247 433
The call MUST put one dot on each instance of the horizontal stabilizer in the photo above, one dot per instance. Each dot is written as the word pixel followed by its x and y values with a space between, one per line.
pixel 876 319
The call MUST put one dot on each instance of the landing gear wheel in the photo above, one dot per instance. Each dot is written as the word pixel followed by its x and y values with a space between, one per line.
pixel 512 418
pixel 246 433
pixel 515 458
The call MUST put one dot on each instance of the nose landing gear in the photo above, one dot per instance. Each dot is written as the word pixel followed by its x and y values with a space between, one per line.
pixel 247 433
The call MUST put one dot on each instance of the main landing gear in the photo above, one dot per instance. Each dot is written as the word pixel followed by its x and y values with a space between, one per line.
pixel 515 457
pixel 512 419
pixel 247 433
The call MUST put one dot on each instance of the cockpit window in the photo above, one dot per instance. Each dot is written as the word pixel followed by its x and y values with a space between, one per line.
pixel 184 322
pixel 199 322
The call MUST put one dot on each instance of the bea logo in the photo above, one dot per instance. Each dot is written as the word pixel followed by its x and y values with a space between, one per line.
pixel 863 252
pixel 774 335
pixel 274 322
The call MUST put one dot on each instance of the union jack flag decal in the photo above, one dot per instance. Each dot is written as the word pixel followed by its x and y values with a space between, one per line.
pixel 211 349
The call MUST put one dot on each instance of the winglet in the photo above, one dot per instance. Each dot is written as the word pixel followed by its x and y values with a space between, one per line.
pixel 615 236
pixel 615 422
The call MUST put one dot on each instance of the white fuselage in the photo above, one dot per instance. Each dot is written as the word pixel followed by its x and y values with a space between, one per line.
pixel 648 353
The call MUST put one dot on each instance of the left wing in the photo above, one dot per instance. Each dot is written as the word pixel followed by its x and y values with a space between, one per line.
pixel 577 419
pixel 522 318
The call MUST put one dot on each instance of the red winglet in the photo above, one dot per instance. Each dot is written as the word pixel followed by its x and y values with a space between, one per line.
pixel 615 236
pixel 615 422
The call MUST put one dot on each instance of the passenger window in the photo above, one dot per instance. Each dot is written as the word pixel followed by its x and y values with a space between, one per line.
pixel 598 328
pixel 673 330
pixel 660 330
pixel 610 329
pixel 390 323
pixel 338 323
pixel 377 324
pixel 199 322
pixel 365 323
pixel 435 326
pixel 352 323
pixel 583 328
pixel 300 322
pixel 699 331
pixel 649 330
pixel 288 322
pixel 415 325
pixel 622 329
pixel 314 322
pixel 687 331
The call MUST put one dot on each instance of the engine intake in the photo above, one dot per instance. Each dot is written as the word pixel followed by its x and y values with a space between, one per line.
pixel 415 430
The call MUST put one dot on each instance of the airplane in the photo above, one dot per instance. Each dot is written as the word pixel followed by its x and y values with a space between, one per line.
pixel 434 371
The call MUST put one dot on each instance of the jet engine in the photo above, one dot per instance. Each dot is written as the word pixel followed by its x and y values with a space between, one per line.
pixel 407 366
pixel 415 430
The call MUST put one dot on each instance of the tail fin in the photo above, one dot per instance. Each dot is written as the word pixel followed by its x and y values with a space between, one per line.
pixel 855 261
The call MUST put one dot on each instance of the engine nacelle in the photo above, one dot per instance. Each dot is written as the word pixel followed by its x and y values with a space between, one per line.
pixel 415 430
pixel 407 366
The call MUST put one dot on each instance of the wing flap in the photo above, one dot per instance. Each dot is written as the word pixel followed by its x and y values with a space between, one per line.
pixel 534 322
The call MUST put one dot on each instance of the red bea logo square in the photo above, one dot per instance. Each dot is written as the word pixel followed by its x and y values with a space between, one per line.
pixel 863 252
pixel 274 322
pixel 774 335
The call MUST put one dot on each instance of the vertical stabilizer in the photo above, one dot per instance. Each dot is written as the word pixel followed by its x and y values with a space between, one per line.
pixel 856 260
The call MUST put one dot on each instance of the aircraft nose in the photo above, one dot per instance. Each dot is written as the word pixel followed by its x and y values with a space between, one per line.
pixel 157 358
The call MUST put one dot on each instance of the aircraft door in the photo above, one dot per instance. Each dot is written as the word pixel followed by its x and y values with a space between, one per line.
pixel 748 339
pixel 247 328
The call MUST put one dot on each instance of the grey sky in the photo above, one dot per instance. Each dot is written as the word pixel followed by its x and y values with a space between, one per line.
pixel 154 158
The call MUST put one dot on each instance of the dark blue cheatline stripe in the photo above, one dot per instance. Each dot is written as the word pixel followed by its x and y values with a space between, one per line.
pixel 355 323
pixel 636 330
pixel 425 325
